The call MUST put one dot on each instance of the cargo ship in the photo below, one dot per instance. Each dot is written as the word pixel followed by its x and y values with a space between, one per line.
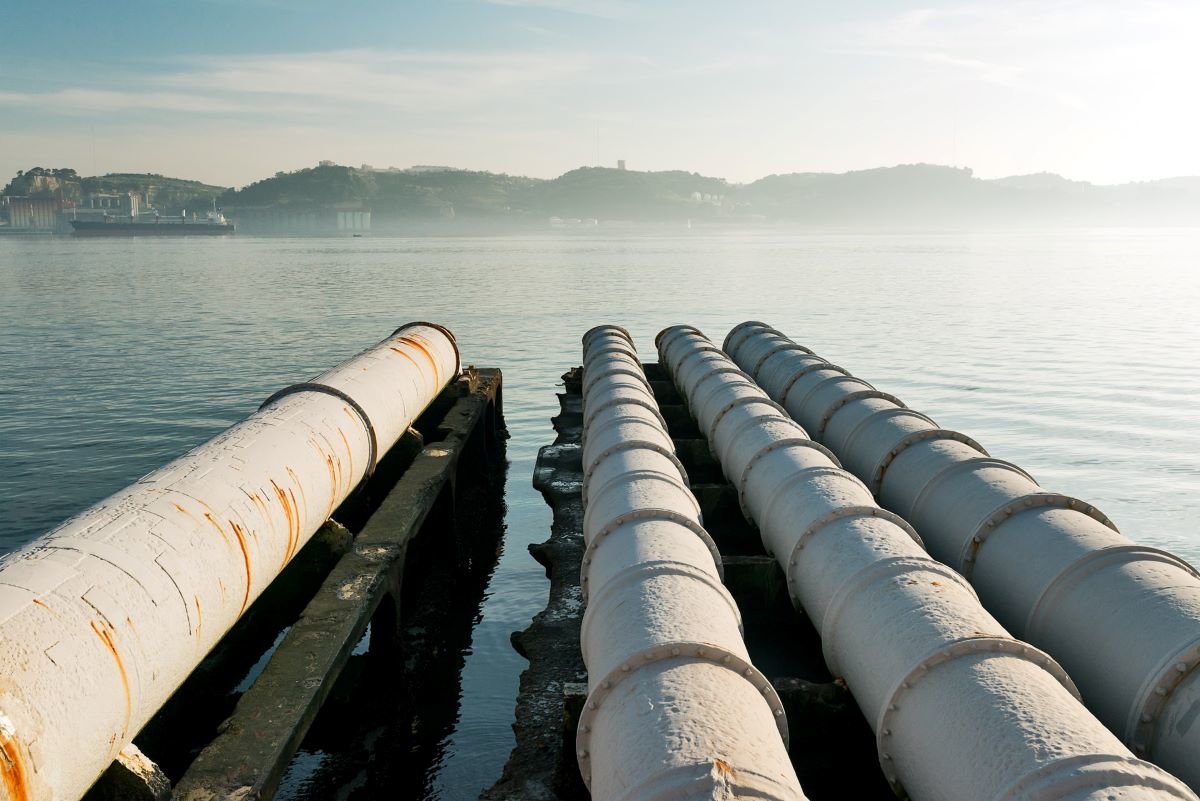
pixel 212 224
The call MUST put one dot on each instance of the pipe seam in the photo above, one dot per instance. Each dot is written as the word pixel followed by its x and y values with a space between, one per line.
pixel 666 515
pixel 801 442
pixel 1006 510
pixel 970 646
pixel 325 389
pixel 957 467
pixel 880 470
pixel 828 414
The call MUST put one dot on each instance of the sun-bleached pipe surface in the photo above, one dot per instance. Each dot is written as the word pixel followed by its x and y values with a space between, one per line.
pixel 102 618
pixel 1122 618
pixel 675 709
pixel 961 710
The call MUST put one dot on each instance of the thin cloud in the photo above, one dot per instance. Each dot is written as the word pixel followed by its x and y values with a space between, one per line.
pixel 605 9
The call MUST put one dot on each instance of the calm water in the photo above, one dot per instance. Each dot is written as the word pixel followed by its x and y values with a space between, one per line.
pixel 1075 354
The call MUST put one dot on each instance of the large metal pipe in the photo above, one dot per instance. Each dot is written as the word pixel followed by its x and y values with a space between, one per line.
pixel 962 711
pixel 675 709
pixel 1124 619
pixel 103 618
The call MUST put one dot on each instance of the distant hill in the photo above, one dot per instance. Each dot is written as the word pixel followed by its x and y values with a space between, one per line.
pixel 910 194
pixel 168 195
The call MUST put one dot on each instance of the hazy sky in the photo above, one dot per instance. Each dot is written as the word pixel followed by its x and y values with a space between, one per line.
pixel 229 91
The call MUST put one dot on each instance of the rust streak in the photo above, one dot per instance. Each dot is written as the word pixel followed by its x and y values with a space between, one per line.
pixel 12 770
pixel 105 634
pixel 296 539
pixel 437 374
pixel 723 768
pixel 40 603
pixel 299 486
pixel 199 615
pixel 349 452
pixel 293 520
pixel 209 517
pixel 237 530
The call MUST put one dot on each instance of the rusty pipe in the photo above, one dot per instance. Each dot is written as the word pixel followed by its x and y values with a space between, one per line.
pixel 102 618
pixel 675 709
pixel 1124 619
pixel 961 710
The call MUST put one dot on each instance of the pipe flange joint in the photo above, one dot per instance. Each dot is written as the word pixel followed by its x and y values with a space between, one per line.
pixel 828 625
pixel 647 403
pixel 590 381
pixel 805 370
pixel 691 354
pixel 745 327
pixel 862 394
pixel 1036 500
pixel 672 330
pixel 1141 730
pixel 957 467
pixel 449 335
pixel 745 400
pixel 912 439
pixel 592 333
pixel 706 652
pixel 778 347
pixel 802 442
pixel 799 477
pixel 838 514
pixel 325 389
pixel 630 445
pixel 940 656
pixel 589 553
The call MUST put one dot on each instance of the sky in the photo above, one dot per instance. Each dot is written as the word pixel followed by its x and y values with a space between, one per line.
pixel 232 91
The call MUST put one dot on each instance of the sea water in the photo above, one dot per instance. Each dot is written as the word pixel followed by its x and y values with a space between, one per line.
pixel 1074 353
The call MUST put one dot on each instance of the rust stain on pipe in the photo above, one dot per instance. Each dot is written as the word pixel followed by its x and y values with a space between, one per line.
pixel 237 530
pixel 104 632
pixel 349 450
pixel 12 770
pixel 209 517
pixel 299 486
pixel 293 520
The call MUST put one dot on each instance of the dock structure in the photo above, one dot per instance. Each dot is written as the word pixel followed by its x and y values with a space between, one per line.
pixel 414 448
pixel 1123 618
pixel 831 747
pixel 910 688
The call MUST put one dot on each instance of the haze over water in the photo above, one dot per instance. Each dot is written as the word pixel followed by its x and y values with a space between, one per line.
pixel 1074 353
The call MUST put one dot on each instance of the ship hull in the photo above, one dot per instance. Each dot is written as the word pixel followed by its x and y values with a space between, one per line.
pixel 150 229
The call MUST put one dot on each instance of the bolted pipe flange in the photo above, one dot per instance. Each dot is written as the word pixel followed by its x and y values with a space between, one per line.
pixel 1142 728
pixel 828 625
pixel 777 348
pixel 698 651
pixel 647 403
pixel 1000 515
pixel 956 468
pixel 805 370
pixel 667 515
pixel 880 470
pixel 630 445
pixel 743 331
pixel 748 400
pixel 864 394
pixel 939 656
pixel 800 442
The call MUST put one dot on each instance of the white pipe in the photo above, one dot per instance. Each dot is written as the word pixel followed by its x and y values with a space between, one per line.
pixel 961 710
pixel 102 618
pixel 1123 619
pixel 675 709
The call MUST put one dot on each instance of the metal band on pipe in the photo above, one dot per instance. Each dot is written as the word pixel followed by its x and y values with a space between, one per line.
pixel 880 470
pixel 800 442
pixel 957 467
pixel 324 389
pixel 819 434
pixel 779 346
pixel 940 656
pixel 1001 514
